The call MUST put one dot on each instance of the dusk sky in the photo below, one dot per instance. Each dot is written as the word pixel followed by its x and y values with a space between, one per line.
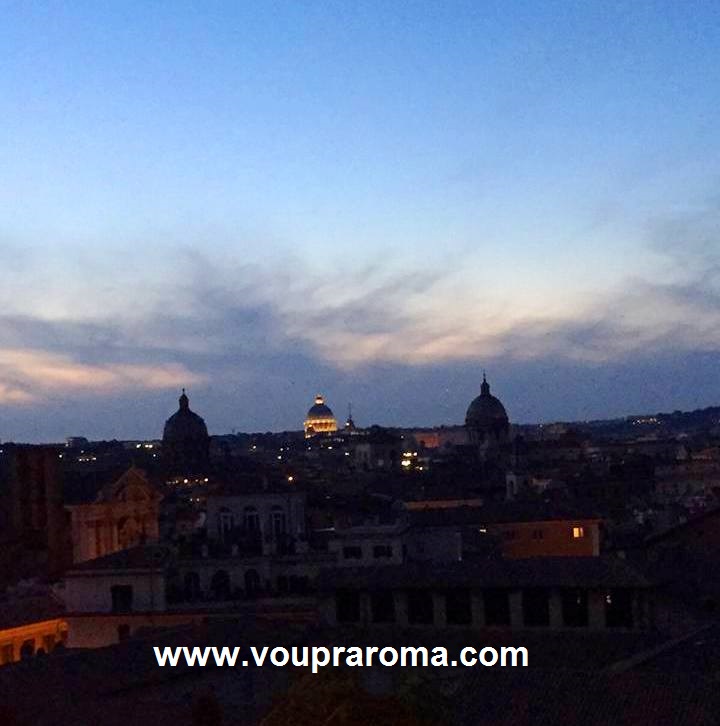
pixel 261 201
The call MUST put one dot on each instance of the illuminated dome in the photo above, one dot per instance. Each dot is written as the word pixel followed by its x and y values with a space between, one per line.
pixel 320 418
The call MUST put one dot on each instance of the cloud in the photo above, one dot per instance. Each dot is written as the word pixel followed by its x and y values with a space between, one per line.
pixel 26 376
pixel 258 340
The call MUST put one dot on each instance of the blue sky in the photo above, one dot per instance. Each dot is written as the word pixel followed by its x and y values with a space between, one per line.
pixel 264 200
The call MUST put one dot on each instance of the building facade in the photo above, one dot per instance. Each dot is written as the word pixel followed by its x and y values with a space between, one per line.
pixel 124 514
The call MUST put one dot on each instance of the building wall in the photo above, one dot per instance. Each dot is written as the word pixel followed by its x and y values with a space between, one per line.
pixel 436 544
pixel 92 592
pixel 372 456
pixel 269 571
pixel 548 539
pixel 344 547
pixel 97 631
pixel 231 511
pixel 440 438
pixel 101 529
pixel 37 518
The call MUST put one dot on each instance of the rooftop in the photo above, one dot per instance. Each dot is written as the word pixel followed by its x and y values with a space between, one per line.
pixel 579 572
pixel 499 512
pixel 143 557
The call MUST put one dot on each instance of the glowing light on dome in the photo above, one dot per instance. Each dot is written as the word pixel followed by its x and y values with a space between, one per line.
pixel 320 419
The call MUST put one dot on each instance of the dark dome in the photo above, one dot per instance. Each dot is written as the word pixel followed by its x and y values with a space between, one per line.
pixel 486 409
pixel 320 410
pixel 184 425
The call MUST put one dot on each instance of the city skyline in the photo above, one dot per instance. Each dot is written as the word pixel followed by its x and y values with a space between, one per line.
pixel 262 202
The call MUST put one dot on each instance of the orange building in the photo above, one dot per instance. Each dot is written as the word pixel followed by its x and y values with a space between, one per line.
pixel 549 538
pixel 522 529
pixel 30 625
pixel 124 514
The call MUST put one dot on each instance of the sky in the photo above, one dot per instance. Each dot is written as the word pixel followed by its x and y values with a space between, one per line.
pixel 261 201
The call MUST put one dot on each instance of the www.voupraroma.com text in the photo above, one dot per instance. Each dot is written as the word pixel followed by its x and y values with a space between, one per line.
pixel 317 657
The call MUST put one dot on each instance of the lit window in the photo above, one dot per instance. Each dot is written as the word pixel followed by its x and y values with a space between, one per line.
pixel 578 532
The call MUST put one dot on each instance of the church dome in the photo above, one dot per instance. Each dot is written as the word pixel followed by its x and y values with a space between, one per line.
pixel 485 411
pixel 320 419
pixel 184 424
pixel 320 410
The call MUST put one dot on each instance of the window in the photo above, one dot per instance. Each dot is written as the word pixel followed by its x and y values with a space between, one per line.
pixel 382 605
pixel 420 607
pixel 226 523
pixel 352 553
pixel 122 598
pixel 536 607
pixel 578 532
pixel 458 607
pixel 347 606
pixel 382 551
pixel 279 523
pixel 538 534
pixel 510 534
pixel 252 519
pixel 497 607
